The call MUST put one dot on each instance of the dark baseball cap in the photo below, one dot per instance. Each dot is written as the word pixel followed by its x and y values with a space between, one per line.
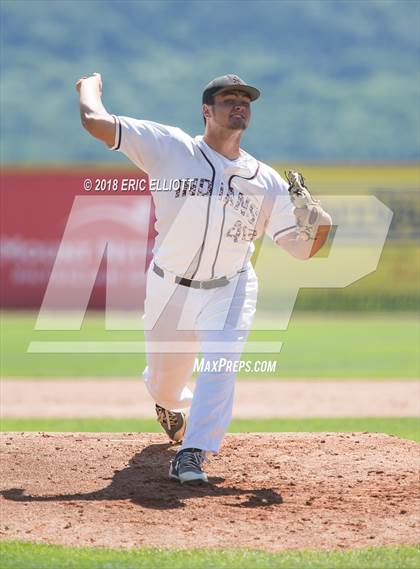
pixel 227 82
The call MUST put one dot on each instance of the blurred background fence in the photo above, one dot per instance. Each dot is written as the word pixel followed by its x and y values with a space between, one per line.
pixel 37 205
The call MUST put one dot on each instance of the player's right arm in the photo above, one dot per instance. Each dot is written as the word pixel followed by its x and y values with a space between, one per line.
pixel 144 142
pixel 95 118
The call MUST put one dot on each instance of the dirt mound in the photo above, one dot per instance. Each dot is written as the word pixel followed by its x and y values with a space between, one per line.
pixel 271 491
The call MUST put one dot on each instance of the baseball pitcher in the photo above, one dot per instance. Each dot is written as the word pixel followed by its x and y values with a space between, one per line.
pixel 212 201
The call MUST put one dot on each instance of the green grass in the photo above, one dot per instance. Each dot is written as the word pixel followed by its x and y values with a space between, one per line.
pixel 333 345
pixel 404 427
pixel 20 555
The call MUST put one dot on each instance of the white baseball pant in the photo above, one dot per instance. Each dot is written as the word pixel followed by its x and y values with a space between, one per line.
pixel 194 320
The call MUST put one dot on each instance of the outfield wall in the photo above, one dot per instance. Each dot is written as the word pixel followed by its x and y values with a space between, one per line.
pixel 36 205
pixel 35 214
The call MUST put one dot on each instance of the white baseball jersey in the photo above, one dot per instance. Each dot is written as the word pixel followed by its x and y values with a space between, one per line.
pixel 209 209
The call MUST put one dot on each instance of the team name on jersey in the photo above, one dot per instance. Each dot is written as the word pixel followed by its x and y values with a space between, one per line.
pixel 238 201
pixel 192 187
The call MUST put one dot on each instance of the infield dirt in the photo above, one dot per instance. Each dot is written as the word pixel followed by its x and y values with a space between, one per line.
pixel 268 491
pixel 259 398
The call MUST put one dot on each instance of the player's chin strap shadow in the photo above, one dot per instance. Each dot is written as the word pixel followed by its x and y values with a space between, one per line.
pixel 144 482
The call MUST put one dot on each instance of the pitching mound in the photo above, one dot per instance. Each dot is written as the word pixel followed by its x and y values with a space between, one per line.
pixel 271 491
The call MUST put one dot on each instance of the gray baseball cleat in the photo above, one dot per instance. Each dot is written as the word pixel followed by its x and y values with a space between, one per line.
pixel 186 466
pixel 173 422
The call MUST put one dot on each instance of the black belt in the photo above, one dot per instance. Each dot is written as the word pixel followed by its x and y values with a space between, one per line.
pixel 215 283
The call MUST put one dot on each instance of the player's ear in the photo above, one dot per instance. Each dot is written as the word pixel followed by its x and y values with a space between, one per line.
pixel 206 111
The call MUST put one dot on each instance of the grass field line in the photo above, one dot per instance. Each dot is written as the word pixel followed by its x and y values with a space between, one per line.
pixel 402 427
pixel 26 555
pixel 128 398
pixel 324 345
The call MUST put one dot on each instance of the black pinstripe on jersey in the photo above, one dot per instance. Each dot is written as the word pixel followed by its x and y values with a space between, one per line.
pixel 282 231
pixel 213 169
pixel 224 215
pixel 118 137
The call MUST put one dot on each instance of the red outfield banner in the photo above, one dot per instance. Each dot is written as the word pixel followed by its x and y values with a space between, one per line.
pixel 90 230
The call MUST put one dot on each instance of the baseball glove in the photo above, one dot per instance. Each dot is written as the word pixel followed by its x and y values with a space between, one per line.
pixel 308 210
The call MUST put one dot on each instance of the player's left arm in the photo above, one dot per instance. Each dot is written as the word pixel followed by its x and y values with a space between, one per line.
pixel 301 248
pixel 305 223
